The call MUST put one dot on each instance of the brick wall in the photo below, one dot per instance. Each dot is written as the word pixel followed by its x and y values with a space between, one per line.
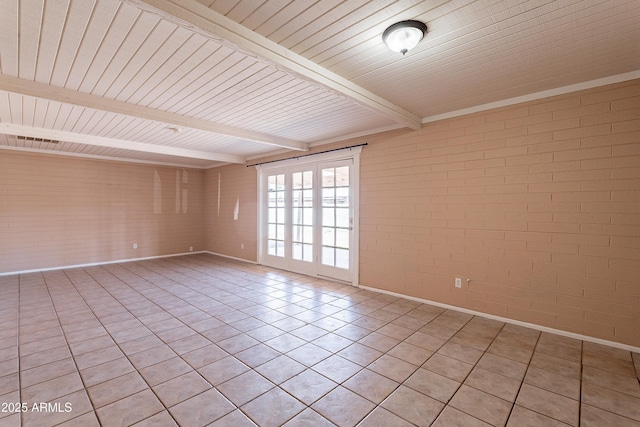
pixel 538 204
pixel 57 211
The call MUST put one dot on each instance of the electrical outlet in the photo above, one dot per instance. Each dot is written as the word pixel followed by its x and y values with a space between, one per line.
pixel 190 248
pixel 241 245
pixel 458 282
pixel 135 246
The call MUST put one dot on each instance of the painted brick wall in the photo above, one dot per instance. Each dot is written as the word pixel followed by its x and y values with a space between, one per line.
pixel 57 211
pixel 537 204
pixel 230 224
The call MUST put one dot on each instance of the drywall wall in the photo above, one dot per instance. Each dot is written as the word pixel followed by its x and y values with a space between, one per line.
pixel 230 224
pixel 58 211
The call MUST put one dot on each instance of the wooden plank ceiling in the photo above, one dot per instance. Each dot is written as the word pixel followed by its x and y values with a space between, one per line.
pixel 204 83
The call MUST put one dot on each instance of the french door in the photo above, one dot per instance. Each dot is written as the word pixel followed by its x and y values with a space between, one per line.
pixel 308 218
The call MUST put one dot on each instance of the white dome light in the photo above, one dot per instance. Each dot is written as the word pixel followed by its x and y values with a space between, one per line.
pixel 404 36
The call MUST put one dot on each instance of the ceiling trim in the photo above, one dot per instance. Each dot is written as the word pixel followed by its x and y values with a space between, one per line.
pixel 58 94
pixel 207 22
pixel 354 135
pixel 632 75
pixel 100 141
pixel 107 158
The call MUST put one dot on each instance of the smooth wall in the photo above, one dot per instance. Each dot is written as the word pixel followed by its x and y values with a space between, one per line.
pixel 231 215
pixel 57 211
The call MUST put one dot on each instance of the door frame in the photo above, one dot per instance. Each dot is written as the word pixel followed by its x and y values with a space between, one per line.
pixel 352 154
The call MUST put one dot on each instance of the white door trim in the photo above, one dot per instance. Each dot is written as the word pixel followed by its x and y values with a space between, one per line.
pixel 352 154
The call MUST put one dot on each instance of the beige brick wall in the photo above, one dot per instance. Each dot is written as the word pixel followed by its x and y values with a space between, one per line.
pixel 231 215
pixel 57 211
pixel 538 204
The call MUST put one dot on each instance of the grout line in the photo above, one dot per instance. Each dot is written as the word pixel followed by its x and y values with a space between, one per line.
pixel 19 347
pixel 191 274
pixel 125 354
pixel 533 352
pixel 512 321
pixel 580 389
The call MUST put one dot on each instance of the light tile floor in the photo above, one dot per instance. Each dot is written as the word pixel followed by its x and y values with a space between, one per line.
pixel 199 340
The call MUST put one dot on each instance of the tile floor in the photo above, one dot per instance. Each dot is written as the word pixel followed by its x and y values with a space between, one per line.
pixel 199 340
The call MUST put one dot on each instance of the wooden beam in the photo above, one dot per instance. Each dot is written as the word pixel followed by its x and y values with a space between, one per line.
pixel 52 93
pixel 207 22
pixel 32 132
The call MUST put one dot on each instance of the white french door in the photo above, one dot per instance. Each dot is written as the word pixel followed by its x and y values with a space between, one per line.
pixel 336 220
pixel 289 196
pixel 308 218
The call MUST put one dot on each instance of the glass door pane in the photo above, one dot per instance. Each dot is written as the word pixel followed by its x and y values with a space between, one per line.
pixel 302 216
pixel 276 215
pixel 336 217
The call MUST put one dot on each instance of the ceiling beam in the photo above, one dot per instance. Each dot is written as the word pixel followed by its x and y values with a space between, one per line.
pixel 58 94
pixel 207 22
pixel 100 141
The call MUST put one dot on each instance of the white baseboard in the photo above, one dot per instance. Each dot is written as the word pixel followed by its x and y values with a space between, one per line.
pixel 512 321
pixel 93 264
pixel 382 291
pixel 230 257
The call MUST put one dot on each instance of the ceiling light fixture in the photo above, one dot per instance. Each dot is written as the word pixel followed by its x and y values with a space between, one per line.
pixel 404 36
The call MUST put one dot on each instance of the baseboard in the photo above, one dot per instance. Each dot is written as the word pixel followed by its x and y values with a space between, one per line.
pixel 382 291
pixel 93 264
pixel 230 257
pixel 511 321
